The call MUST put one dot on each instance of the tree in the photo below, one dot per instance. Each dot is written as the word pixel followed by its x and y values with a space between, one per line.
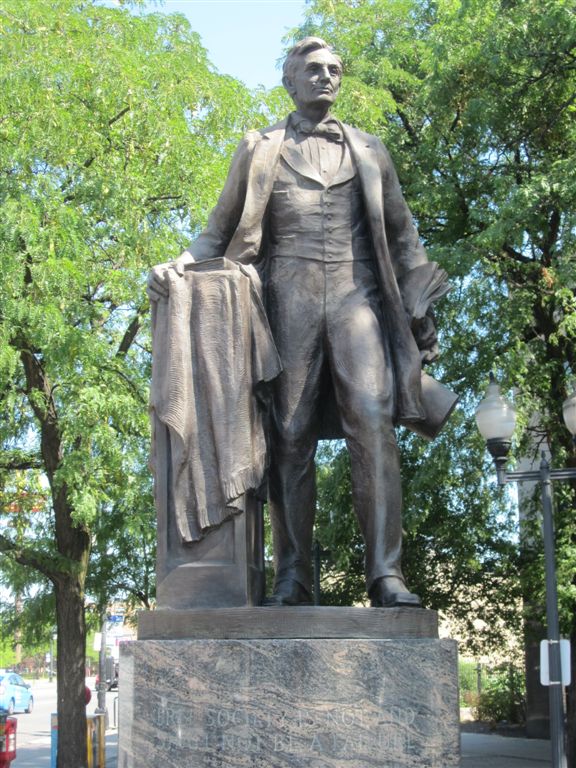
pixel 115 136
pixel 124 545
pixel 476 101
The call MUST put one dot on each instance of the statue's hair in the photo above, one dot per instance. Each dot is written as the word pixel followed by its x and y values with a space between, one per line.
pixel 301 48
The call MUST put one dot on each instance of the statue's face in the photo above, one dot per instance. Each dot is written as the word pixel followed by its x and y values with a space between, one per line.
pixel 315 79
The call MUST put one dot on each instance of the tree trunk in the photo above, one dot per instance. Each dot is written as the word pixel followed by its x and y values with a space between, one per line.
pixel 71 673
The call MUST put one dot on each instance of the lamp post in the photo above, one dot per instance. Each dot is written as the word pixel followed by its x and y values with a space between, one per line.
pixel 102 683
pixel 496 419
pixel 51 654
pixel 53 638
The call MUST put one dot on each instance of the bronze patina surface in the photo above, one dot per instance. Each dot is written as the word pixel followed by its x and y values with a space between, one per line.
pixel 333 275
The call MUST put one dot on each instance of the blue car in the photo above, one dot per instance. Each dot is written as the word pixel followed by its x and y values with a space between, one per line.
pixel 15 694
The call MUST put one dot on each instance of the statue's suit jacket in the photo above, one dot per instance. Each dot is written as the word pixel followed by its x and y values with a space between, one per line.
pixel 236 229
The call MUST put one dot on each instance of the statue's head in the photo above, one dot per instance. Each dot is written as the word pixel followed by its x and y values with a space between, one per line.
pixel 312 74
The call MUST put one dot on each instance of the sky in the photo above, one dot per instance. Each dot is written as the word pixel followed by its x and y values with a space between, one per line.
pixel 243 37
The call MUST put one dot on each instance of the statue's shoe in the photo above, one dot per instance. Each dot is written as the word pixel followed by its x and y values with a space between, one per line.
pixel 289 592
pixel 390 592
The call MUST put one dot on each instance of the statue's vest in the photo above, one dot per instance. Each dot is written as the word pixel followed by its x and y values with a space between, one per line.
pixel 313 220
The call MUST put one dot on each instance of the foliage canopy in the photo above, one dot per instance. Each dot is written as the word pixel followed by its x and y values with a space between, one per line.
pixel 115 136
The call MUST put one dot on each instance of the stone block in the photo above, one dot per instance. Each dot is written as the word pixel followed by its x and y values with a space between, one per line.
pixel 279 622
pixel 289 703
pixel 224 568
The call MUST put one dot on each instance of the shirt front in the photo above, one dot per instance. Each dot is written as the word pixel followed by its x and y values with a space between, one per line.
pixel 324 154
pixel 316 209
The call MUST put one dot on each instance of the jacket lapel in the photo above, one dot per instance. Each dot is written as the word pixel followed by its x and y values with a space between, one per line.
pixel 370 177
pixel 245 243
pixel 298 162
pixel 347 169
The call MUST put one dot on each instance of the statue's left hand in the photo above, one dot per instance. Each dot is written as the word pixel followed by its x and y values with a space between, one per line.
pixel 424 332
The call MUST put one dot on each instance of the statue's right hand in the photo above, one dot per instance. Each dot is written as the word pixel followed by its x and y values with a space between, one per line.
pixel 157 286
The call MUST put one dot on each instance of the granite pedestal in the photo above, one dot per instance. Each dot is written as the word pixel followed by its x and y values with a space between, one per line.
pixel 241 698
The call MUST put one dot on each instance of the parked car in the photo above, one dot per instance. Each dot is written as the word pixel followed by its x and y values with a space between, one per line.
pixel 15 693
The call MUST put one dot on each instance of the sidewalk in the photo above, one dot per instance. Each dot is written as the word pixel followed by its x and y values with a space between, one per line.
pixel 479 750
pixel 486 750
pixel 39 757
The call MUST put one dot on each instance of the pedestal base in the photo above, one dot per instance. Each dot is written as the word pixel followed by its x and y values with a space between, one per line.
pixel 224 568
pixel 289 703
pixel 304 622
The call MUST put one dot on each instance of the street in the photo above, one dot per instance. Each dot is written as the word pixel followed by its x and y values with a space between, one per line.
pixel 33 732
pixel 35 728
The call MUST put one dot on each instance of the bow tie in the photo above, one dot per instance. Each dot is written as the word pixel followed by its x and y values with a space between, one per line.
pixel 330 129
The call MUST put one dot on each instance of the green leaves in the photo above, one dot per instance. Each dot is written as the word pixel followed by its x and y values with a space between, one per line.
pixel 115 137
pixel 475 101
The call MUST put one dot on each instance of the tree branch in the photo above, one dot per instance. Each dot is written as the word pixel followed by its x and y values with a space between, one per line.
pixel 407 126
pixel 14 460
pixel 25 556
pixel 121 586
pixel 44 408
pixel 128 381
pixel 551 235
pixel 159 198
pixel 516 255
pixel 132 331
pixel 88 162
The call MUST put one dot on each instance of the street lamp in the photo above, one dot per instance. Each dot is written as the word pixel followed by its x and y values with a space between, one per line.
pixel 496 419
pixel 53 638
